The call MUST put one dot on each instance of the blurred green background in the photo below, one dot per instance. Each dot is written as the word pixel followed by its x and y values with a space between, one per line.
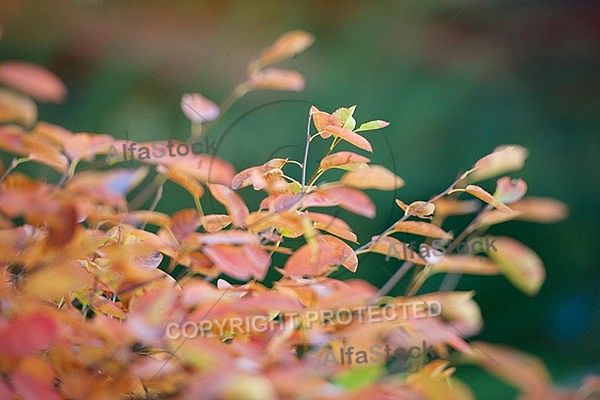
pixel 454 78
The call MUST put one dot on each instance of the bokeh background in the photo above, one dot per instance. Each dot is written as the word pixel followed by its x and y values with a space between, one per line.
pixel 454 78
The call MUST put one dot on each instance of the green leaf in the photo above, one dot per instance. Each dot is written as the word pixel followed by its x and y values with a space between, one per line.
pixel 345 115
pixel 359 377
pixel 372 125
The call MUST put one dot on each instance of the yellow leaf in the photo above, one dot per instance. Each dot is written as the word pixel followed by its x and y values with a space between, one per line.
pixel 372 177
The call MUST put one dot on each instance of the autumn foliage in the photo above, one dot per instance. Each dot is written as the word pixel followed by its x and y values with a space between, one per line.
pixel 91 283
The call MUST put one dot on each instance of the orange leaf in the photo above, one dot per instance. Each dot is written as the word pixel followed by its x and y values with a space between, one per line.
pixel 540 209
pixel 422 228
pixel 421 209
pixel 349 136
pixel 33 80
pixel 333 225
pixel 522 370
pixel 344 160
pixel 287 45
pixel 372 177
pixel 215 222
pixel 17 108
pixel 239 262
pixel 276 79
pixel 392 247
pixel 352 200
pixel 447 206
pixel 484 196
pixel 330 252
pixel 521 266
pixel 322 120
pixel 503 159
pixel 232 201
pixel 466 264
pixel 182 179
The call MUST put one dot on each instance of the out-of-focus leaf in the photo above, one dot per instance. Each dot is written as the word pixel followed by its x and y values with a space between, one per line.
pixel 257 176
pixel 33 80
pixel 198 108
pixel 184 222
pixel 372 125
pixel 540 209
pixel 510 190
pixel 447 206
pixel 392 247
pixel 344 160
pixel 522 267
pixel 28 333
pixel 466 264
pixel 372 177
pixel 422 228
pixel 349 136
pixel 17 108
pixel 276 79
pixel 110 186
pixel 521 370
pixel 182 179
pixel 85 146
pixel 504 159
pixel 236 208
pixel 239 262
pixel 287 45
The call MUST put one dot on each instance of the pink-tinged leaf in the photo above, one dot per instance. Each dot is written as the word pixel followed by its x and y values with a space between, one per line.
pixel 333 225
pixel 280 202
pixel 421 209
pixel 350 137
pixel 236 208
pixel 330 252
pixel 198 108
pixel 233 237
pixel 493 217
pixel 189 183
pixel 459 309
pixel 372 177
pixel 54 133
pixel 215 222
pixel 33 80
pixel 503 159
pixel 17 108
pixel 85 146
pixel 204 167
pixel 510 190
pixel 344 160
pixel 28 333
pixel 43 153
pixel 392 247
pixel 255 176
pixel 286 46
pixel 521 370
pixel 372 125
pixel 521 266
pixel 422 228
pixel 322 120
pixel 239 262
pixel 540 209
pixel 352 200
pixel 466 264
pixel 276 79
pixel 110 186
pixel 484 196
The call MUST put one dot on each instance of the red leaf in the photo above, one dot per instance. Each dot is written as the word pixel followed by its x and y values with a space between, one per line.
pixel 232 201
pixel 239 262
pixel 350 137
